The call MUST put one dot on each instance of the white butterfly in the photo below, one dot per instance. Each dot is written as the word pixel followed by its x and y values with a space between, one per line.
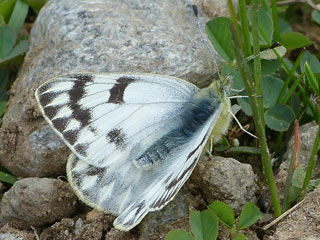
pixel 135 138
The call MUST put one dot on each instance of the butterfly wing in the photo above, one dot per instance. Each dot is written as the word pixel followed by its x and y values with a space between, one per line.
pixel 104 119
pixel 101 117
pixel 132 192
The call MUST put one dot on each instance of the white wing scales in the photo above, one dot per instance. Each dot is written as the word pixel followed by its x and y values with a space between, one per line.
pixel 89 110
pixel 131 193
pixel 108 120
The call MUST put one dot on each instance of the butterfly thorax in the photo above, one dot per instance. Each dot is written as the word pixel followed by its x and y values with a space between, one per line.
pixel 197 112
pixel 222 88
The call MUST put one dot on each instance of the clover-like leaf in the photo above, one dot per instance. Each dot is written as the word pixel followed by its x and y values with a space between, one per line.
pixel 218 31
pixel 279 117
pixel 249 215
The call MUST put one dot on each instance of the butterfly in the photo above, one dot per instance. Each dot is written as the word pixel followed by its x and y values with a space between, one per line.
pixel 135 138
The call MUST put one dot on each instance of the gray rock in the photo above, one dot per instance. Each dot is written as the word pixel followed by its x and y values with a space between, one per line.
pixel 308 134
pixel 99 36
pixel 92 227
pixel 44 143
pixel 115 234
pixel 155 224
pixel 8 233
pixel 227 180
pixel 303 223
pixel 37 201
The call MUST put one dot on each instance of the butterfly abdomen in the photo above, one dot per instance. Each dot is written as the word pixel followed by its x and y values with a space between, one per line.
pixel 201 107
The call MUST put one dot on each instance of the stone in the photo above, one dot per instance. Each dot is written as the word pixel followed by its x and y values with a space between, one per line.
pixel 156 225
pixel 308 134
pixel 115 234
pixel 303 223
pixel 37 201
pixel 226 180
pixel 9 233
pixel 97 36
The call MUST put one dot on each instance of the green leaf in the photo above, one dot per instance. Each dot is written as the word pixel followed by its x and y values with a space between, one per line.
pixel 218 31
pixel 295 103
pixel 7 40
pixel 249 215
pixel 4 76
pixel 223 145
pixel 298 177
pixel 3 96
pixel 312 61
pixel 240 236
pixel 312 79
pixel 224 213
pixel 294 40
pixel 20 48
pixel 294 192
pixel 245 149
pixel 245 104
pixel 265 26
pixel 8 178
pixel 271 87
pixel 284 26
pixel 6 8
pixel 18 16
pixel 179 234
pixel 269 67
pixel 2 108
pixel 316 16
pixel 204 225
pixel 36 5
pixel 237 82
pixel 279 117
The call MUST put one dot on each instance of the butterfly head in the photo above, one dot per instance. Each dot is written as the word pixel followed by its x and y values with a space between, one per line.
pixel 222 86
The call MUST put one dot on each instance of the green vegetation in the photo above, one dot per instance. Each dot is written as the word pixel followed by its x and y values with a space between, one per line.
pixel 204 224
pixel 13 45
pixel 282 90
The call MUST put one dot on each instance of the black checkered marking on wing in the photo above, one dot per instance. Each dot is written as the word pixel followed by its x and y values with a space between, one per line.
pixel 76 93
pixel 117 91
pixel 117 137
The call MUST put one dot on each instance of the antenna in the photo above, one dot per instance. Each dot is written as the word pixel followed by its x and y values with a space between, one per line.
pixel 204 41
pixel 209 47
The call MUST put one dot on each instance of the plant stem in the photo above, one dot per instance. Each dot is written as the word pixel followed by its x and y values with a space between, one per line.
pixel 311 161
pixel 245 27
pixel 275 20
pixel 234 19
pixel 251 90
pixel 257 61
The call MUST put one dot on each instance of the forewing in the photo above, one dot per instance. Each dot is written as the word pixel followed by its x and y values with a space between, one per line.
pixel 131 192
pixel 104 116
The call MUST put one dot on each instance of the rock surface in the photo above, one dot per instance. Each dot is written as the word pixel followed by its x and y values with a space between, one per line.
pixel 37 201
pixel 157 224
pixel 227 180
pixel 308 134
pixel 9 233
pixel 98 36
pixel 303 223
